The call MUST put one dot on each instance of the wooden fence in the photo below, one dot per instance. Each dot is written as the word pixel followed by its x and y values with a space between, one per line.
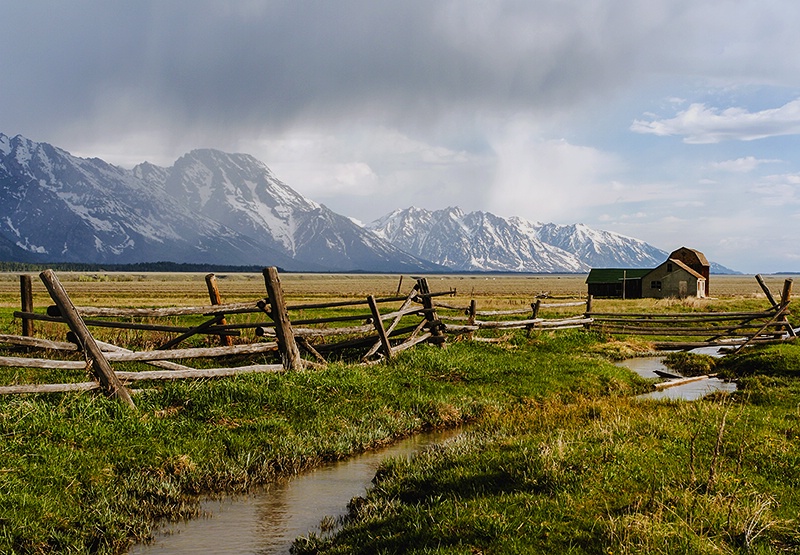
pixel 366 333
pixel 377 335
pixel 701 329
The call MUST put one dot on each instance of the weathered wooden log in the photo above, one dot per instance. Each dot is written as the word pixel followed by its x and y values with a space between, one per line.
pixel 339 304
pixel 192 331
pixel 411 342
pixel 681 381
pixel 378 323
pixel 359 342
pixel 197 373
pixel 305 344
pixel 195 352
pixel 102 370
pixel 216 300
pixel 722 317
pixel 48 388
pixel 28 362
pixel 127 325
pixel 472 312
pixel 434 324
pixel 230 308
pixel 397 316
pixel 108 347
pixel 766 291
pixel 290 354
pixel 26 303
pixel 37 343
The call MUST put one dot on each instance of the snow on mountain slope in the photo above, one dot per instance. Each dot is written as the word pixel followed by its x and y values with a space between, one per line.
pixel 242 193
pixel 598 248
pixel 478 241
pixel 63 208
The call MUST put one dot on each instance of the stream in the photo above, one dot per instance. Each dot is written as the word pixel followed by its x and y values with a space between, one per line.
pixel 266 521
pixel 646 367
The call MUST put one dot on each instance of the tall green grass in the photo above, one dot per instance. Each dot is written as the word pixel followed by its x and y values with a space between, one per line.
pixel 81 474
pixel 599 475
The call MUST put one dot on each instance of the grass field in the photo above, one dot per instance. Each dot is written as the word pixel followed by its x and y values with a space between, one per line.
pixel 171 289
pixel 560 459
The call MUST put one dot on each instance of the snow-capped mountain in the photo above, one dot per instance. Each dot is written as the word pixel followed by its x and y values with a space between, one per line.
pixel 57 207
pixel 479 241
pixel 598 248
pixel 242 193
pixel 209 207
pixel 212 207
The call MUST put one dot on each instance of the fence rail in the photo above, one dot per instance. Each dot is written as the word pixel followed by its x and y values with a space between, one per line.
pixel 419 318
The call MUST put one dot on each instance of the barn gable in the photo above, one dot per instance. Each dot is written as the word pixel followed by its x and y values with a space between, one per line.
pixel 695 260
pixel 673 278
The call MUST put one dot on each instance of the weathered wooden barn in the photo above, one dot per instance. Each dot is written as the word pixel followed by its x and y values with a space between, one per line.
pixel 695 260
pixel 685 273
pixel 625 283
pixel 673 278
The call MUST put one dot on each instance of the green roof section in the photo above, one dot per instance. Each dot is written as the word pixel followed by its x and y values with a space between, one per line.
pixel 610 275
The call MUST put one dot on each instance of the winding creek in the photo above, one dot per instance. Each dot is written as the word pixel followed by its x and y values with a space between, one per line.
pixel 267 521
pixel 647 367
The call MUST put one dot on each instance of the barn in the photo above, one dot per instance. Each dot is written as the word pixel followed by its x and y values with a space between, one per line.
pixel 685 273
pixel 673 278
pixel 625 283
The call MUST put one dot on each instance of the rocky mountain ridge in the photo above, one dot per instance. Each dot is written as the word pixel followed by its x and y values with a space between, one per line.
pixel 213 207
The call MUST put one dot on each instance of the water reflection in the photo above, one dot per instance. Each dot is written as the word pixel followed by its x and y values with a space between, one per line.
pixel 266 522
pixel 648 367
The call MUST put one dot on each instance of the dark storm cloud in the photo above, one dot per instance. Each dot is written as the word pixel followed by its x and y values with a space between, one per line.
pixel 259 64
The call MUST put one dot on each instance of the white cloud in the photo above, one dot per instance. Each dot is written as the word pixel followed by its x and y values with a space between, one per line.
pixel 700 124
pixel 550 180
pixel 746 164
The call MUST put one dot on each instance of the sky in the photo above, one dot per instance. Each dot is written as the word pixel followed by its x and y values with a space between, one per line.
pixel 673 121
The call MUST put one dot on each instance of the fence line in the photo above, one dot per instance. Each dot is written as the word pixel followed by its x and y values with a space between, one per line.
pixel 418 320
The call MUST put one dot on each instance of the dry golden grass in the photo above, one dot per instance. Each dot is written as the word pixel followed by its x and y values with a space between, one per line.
pixel 490 291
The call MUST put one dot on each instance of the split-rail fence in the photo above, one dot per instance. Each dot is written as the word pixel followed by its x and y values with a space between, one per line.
pixel 365 332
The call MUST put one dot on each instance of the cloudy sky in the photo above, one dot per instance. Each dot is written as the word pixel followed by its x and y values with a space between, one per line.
pixel 673 121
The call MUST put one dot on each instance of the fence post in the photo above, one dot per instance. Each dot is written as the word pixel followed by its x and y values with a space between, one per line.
pixel 472 312
pixel 214 296
pixel 290 353
pixel 535 307
pixel 378 323
pixel 434 324
pixel 785 299
pixel 766 291
pixel 26 303
pixel 100 366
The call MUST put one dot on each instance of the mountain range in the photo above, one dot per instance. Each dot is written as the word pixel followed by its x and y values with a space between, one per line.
pixel 230 209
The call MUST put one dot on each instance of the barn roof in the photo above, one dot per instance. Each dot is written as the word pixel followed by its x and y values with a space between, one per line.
pixel 613 275
pixel 696 274
pixel 701 258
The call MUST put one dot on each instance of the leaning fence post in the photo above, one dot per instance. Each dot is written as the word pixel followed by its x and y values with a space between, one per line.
pixel 26 303
pixel 100 366
pixel 290 353
pixel 766 291
pixel 214 296
pixel 434 324
pixel 378 323
pixel 785 298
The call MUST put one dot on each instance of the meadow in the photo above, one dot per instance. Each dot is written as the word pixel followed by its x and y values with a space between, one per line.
pixel 559 457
